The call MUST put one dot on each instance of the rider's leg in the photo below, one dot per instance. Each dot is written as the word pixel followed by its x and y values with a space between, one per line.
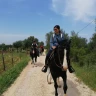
pixel 70 68
pixel 46 61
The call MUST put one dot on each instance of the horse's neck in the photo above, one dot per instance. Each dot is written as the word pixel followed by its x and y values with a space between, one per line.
pixel 65 61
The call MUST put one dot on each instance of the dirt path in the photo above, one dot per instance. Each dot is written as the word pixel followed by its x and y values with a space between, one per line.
pixel 32 82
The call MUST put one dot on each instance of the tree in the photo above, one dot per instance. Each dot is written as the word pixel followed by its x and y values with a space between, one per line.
pixel 41 43
pixel 28 42
pixel 48 36
pixel 78 47
pixel 17 44
pixel 3 46
pixel 92 43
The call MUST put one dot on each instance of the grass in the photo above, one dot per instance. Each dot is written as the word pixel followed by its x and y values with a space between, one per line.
pixel 87 75
pixel 9 76
pixel 8 60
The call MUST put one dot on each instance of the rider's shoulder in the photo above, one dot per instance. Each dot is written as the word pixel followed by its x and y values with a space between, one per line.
pixel 61 35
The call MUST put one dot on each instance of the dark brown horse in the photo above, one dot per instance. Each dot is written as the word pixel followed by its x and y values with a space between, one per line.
pixel 33 55
pixel 41 50
pixel 56 61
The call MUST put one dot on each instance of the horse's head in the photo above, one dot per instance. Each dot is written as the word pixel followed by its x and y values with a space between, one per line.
pixel 61 51
pixel 32 51
pixel 64 44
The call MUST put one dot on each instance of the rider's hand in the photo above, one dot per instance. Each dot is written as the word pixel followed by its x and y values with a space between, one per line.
pixel 53 47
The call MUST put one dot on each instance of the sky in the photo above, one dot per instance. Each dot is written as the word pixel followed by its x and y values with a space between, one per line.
pixel 20 19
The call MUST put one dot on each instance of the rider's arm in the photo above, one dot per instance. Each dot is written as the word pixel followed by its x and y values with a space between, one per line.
pixel 36 45
pixel 32 45
pixel 52 45
pixel 51 41
pixel 55 44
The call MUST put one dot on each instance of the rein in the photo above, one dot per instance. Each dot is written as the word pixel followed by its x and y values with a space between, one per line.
pixel 52 55
pixel 33 51
pixel 59 60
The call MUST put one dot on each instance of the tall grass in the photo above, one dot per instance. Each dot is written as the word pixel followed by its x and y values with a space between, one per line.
pixel 17 57
pixel 8 77
pixel 87 75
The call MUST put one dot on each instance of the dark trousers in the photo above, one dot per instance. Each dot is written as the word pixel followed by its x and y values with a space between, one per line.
pixel 68 57
pixel 47 57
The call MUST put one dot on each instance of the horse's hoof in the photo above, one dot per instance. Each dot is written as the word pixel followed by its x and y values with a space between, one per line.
pixel 49 82
pixel 65 95
pixel 59 86
pixel 56 94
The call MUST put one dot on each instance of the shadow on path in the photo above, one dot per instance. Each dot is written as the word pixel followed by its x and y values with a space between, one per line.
pixel 72 90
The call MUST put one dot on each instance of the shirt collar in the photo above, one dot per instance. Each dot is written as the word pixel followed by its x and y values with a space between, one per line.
pixel 57 34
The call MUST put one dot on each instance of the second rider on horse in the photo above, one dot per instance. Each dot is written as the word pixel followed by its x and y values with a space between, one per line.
pixel 34 45
pixel 53 45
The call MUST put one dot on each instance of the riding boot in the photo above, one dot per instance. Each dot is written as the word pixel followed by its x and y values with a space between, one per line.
pixel 44 69
pixel 70 68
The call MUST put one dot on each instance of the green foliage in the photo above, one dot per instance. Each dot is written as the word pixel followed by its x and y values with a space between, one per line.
pixel 4 47
pixel 87 75
pixel 17 44
pixel 25 44
pixel 48 36
pixel 84 56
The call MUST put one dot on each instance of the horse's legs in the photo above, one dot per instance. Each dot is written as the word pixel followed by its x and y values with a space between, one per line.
pixel 58 82
pixel 49 77
pixel 65 84
pixel 36 59
pixel 32 59
pixel 55 85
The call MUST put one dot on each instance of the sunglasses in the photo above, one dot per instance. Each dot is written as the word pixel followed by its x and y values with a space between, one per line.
pixel 55 29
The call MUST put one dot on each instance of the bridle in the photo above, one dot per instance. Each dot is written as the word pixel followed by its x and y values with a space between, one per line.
pixel 52 55
pixel 58 58
pixel 33 50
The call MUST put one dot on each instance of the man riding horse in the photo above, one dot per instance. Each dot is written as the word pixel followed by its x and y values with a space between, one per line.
pixel 41 49
pixel 53 45
pixel 34 46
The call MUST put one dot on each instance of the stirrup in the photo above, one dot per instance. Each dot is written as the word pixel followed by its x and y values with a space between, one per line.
pixel 44 69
